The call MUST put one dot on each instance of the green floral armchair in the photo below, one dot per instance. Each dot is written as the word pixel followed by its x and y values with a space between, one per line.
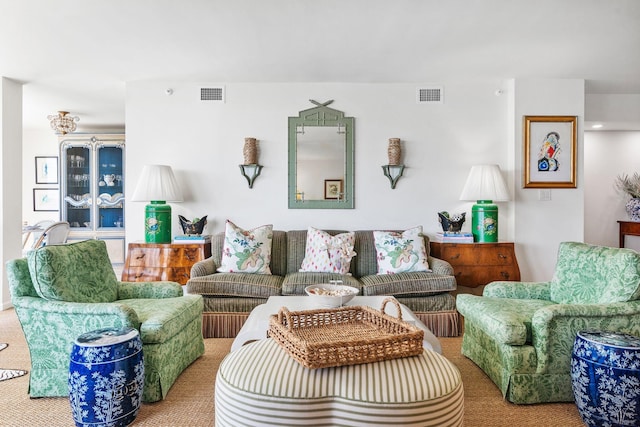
pixel 521 334
pixel 60 292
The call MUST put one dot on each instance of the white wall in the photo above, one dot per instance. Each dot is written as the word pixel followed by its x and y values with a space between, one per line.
pixel 607 155
pixel 10 175
pixel 203 143
pixel 38 142
pixel 540 226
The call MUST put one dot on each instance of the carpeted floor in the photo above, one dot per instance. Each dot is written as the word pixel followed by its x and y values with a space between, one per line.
pixel 190 400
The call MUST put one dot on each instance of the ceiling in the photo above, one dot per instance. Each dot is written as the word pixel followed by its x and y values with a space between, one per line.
pixel 77 55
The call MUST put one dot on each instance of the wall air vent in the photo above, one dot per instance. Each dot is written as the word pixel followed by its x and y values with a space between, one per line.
pixel 430 95
pixel 215 94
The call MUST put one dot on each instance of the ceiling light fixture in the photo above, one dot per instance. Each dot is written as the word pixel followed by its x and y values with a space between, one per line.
pixel 596 126
pixel 63 123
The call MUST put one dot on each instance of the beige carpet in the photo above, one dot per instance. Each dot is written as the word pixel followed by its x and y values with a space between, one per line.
pixel 190 400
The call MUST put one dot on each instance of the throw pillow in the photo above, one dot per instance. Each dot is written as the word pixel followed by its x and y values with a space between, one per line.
pixel 246 251
pixel 400 252
pixel 326 253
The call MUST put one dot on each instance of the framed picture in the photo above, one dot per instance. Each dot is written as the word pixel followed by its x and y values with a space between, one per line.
pixel 550 144
pixel 46 199
pixel 46 170
pixel 332 189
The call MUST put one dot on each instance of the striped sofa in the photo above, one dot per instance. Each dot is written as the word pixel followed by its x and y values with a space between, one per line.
pixel 229 297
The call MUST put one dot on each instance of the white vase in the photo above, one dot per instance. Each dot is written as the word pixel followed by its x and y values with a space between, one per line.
pixel 633 209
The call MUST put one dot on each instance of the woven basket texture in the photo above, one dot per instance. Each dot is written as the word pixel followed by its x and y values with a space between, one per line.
pixel 345 336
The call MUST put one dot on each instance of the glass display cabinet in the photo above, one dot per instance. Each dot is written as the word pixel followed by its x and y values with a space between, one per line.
pixel 92 189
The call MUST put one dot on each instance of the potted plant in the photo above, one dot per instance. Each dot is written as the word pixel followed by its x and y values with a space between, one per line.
pixel 630 185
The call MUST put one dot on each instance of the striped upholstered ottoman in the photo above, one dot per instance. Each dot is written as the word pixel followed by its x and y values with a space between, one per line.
pixel 261 385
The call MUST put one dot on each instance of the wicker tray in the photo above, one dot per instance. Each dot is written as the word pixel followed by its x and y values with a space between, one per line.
pixel 345 336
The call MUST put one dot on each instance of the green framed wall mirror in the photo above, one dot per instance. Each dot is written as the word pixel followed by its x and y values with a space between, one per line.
pixel 321 159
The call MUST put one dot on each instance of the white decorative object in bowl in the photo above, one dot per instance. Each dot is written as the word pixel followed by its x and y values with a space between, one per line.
pixel 331 295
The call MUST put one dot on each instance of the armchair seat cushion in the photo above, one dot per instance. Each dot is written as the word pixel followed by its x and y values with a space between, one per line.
pixel 246 285
pixel 162 319
pixel 507 321
pixel 407 284
pixel 294 283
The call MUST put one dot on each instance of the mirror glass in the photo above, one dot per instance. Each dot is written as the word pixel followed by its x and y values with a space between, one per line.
pixel 321 159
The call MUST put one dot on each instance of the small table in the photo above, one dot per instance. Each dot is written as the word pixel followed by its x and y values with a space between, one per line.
pixel 257 325
pixel 628 228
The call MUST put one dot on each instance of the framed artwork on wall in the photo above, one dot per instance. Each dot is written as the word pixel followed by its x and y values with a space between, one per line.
pixel 46 199
pixel 46 170
pixel 332 189
pixel 550 144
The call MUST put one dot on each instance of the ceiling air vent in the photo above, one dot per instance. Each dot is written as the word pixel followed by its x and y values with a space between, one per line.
pixel 430 95
pixel 215 94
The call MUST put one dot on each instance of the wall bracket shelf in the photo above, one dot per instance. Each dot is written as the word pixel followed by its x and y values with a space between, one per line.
pixel 393 172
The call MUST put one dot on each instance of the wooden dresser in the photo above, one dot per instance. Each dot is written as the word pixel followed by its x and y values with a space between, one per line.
pixel 147 262
pixel 476 264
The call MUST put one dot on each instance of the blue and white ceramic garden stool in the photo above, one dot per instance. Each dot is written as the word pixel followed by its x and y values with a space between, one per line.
pixel 106 377
pixel 605 375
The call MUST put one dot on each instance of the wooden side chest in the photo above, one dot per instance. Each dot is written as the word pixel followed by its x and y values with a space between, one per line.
pixel 476 264
pixel 147 262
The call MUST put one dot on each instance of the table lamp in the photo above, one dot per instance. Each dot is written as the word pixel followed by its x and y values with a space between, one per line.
pixel 485 185
pixel 158 186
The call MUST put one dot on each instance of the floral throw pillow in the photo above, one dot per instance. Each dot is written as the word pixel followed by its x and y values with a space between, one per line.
pixel 326 253
pixel 400 252
pixel 246 251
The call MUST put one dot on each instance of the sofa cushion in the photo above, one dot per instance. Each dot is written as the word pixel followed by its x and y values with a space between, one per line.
pixel 407 284
pixel 588 274
pixel 246 251
pixel 294 283
pixel 400 252
pixel 236 285
pixel 327 253
pixel 75 272
pixel 507 321
pixel 161 319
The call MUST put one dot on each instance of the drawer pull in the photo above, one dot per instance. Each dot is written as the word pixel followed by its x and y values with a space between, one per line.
pixel 141 256
pixel 502 256
pixel 505 275
pixel 456 256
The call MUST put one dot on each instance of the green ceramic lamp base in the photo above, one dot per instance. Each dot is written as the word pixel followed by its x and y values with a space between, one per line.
pixel 484 221
pixel 157 222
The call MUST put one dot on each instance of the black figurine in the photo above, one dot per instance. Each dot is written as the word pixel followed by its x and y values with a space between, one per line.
pixel 453 223
pixel 193 227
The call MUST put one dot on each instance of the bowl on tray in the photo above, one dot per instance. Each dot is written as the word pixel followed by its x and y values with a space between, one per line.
pixel 330 295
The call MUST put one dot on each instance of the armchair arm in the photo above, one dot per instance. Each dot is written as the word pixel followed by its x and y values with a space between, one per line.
pixel 204 268
pixel 440 266
pixel 94 315
pixel 518 290
pixel 149 290
pixel 555 327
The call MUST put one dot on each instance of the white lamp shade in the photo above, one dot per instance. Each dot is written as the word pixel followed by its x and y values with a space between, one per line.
pixel 485 182
pixel 157 183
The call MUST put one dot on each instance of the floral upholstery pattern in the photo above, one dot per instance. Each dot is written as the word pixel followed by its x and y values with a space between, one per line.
pixel 169 323
pixel 400 252
pixel 327 253
pixel 246 251
pixel 522 339
pixel 78 272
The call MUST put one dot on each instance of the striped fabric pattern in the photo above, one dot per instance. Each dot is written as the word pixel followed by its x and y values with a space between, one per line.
pixel 259 384
pixel 294 283
pixel 407 284
pixel 248 285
